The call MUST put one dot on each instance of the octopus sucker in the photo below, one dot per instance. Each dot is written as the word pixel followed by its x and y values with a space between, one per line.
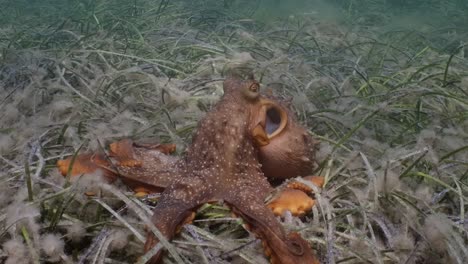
pixel 246 141
pixel 318 181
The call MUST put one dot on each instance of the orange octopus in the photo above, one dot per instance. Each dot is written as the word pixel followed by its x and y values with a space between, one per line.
pixel 246 140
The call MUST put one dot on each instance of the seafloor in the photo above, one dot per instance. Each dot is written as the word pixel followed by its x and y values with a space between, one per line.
pixel 382 84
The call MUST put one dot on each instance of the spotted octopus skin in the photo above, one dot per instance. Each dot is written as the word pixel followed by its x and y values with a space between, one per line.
pixel 291 152
pixel 222 165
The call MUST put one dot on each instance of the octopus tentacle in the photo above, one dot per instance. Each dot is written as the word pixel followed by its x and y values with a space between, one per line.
pixel 279 246
pixel 157 168
pixel 167 148
pixel 318 181
pixel 124 153
pixel 145 168
pixel 175 209
pixel 87 164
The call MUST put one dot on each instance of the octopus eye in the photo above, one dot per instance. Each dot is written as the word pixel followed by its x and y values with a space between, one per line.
pixel 254 87
pixel 251 92
pixel 273 120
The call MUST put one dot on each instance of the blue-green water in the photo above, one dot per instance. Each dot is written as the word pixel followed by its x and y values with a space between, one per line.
pixel 381 84
pixel 44 17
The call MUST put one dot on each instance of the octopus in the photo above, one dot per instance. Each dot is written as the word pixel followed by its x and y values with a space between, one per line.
pixel 248 141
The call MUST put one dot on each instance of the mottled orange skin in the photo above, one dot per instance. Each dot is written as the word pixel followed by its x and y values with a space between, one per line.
pixel 87 164
pixel 223 163
pixel 289 152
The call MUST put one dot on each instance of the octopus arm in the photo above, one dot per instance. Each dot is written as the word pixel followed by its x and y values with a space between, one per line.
pixel 279 247
pixel 176 208
pixel 145 168
pixel 318 181
pixel 87 164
